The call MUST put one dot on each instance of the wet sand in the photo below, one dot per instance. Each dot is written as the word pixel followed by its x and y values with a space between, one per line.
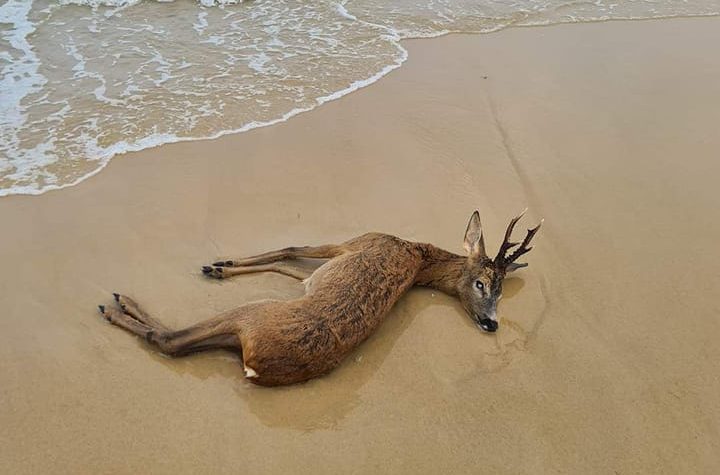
pixel 607 356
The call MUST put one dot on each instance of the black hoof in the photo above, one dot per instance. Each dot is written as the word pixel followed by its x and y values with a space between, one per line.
pixel 229 263
pixel 117 297
pixel 219 263
pixel 102 308
pixel 207 269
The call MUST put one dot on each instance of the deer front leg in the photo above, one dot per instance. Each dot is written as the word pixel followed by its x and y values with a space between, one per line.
pixel 314 252
pixel 284 268
pixel 216 333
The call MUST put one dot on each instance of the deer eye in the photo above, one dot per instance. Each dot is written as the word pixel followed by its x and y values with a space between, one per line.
pixel 479 285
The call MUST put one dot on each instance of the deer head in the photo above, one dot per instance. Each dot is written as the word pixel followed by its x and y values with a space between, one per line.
pixel 480 284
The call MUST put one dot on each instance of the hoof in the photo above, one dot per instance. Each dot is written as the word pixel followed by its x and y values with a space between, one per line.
pixel 223 264
pixel 117 296
pixel 106 316
pixel 210 271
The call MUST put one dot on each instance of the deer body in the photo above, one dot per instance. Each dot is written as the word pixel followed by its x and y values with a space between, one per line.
pixel 346 299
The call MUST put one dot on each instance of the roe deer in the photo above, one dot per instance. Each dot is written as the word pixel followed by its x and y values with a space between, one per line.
pixel 285 342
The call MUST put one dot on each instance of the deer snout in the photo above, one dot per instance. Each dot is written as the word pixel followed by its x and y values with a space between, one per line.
pixel 488 321
pixel 488 325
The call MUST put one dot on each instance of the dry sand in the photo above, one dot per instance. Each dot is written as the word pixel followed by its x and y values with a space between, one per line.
pixel 607 356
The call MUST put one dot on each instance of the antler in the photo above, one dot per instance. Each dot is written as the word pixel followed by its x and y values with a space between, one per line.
pixel 502 259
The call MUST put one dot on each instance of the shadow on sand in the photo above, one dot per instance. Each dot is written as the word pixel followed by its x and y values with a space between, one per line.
pixel 322 403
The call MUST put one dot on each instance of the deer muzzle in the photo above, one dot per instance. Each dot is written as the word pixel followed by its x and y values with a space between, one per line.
pixel 487 320
pixel 488 325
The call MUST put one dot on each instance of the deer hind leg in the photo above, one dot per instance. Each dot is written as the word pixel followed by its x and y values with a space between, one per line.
pixel 284 268
pixel 132 309
pixel 217 333
pixel 314 252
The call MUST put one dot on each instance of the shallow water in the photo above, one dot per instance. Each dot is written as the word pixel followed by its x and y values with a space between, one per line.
pixel 84 80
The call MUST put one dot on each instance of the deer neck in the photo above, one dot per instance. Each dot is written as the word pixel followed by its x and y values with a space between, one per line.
pixel 440 269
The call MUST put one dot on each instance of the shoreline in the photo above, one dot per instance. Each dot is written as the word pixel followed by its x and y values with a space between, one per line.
pixel 353 87
pixel 607 341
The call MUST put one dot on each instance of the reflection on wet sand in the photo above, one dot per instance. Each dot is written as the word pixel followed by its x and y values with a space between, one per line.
pixel 326 401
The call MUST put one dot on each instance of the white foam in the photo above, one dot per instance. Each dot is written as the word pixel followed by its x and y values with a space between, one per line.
pixel 103 155
pixel 201 23
pixel 19 79
pixel 257 62
pixel 101 3
pixel 129 3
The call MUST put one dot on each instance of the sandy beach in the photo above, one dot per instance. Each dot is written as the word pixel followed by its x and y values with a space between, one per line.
pixel 607 356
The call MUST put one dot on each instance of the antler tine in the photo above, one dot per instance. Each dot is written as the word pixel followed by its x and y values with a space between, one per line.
pixel 506 244
pixel 523 246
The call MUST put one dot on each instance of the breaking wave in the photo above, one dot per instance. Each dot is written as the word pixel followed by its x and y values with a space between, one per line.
pixel 84 80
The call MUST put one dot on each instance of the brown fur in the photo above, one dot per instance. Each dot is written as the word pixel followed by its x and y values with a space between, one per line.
pixel 347 298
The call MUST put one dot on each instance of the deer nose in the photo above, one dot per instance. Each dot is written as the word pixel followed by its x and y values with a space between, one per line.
pixel 488 325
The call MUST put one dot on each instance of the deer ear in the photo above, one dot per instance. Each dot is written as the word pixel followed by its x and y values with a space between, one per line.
pixel 474 242
pixel 514 266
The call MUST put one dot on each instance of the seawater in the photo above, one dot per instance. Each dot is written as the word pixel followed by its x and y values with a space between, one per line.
pixel 84 80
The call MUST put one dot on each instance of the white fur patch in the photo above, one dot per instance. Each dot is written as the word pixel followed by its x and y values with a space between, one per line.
pixel 250 373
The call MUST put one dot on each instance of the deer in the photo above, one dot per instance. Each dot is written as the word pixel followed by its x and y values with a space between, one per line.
pixel 346 299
